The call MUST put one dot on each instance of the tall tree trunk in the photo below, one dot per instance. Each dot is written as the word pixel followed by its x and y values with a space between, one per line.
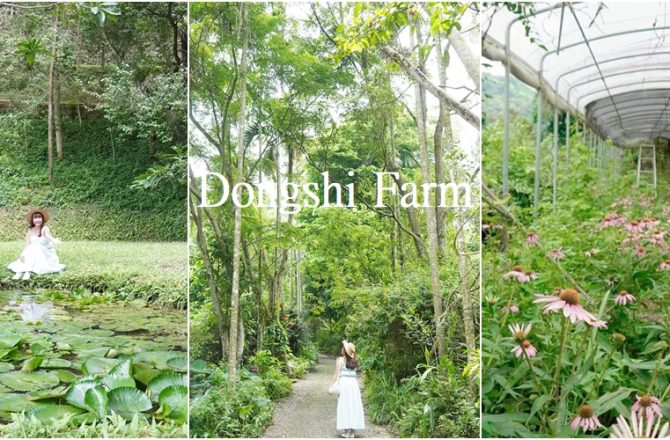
pixel 57 115
pixel 50 93
pixel 196 215
pixel 237 234
pixel 438 137
pixel 431 231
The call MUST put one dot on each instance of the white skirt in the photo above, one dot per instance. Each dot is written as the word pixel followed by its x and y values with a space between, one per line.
pixel 38 257
pixel 349 405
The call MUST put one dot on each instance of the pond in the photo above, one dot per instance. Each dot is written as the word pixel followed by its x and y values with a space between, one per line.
pixel 64 356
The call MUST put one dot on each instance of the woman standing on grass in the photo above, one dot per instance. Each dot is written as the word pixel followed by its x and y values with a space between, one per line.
pixel 39 255
pixel 349 404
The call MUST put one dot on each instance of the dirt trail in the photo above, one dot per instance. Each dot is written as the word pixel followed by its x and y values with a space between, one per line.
pixel 310 411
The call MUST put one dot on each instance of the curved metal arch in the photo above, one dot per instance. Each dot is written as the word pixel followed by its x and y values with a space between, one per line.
pixel 632 117
pixel 618 86
pixel 604 111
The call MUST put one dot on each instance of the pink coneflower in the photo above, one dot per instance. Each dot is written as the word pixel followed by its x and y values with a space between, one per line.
pixel 665 265
pixel 634 226
pixel 625 202
pixel 519 331
pixel 512 308
pixel 568 301
pixel 646 406
pixel 520 275
pixel 585 419
pixel 633 238
pixel 658 239
pixel 532 239
pixel 591 252
pixel 556 254
pixel 648 223
pixel 638 428
pixel 612 219
pixel 525 347
pixel 624 298
pixel 640 252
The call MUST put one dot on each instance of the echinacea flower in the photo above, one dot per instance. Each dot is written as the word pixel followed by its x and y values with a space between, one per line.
pixel 640 252
pixel 585 419
pixel 624 298
pixel 649 223
pixel 658 239
pixel 532 239
pixel 665 265
pixel 638 428
pixel 525 347
pixel 591 252
pixel 519 331
pixel 568 301
pixel 520 275
pixel 646 406
pixel 512 308
pixel 634 226
pixel 556 254
pixel 612 219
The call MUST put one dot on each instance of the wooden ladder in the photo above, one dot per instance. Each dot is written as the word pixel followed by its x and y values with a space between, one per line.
pixel 646 155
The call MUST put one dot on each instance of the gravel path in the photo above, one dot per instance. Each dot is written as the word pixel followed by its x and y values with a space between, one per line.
pixel 310 411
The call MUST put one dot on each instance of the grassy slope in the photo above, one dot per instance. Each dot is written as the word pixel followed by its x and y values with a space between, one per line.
pixel 149 270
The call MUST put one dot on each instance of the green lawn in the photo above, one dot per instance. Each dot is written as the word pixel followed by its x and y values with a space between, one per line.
pixel 153 271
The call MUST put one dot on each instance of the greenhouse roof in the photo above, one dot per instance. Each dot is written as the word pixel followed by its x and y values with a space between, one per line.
pixel 609 63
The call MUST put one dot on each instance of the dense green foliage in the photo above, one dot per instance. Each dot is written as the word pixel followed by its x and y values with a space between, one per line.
pixel 576 364
pixel 122 113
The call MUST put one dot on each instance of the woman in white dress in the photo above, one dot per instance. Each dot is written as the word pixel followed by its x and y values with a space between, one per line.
pixel 38 256
pixel 350 415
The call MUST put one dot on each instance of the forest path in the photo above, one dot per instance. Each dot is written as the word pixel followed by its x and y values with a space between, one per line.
pixel 310 411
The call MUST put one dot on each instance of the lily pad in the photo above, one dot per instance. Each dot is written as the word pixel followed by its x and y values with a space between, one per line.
pixel 36 380
pixel 164 380
pixel 98 365
pixel 96 399
pixel 14 402
pixel 175 398
pixel 9 341
pixel 66 376
pixel 32 364
pixel 76 395
pixel 177 363
pixel 96 351
pixel 144 372
pixel 56 363
pixel 128 401
pixel 198 366
pixel 158 359
pixel 5 367
pixel 47 394
pixel 49 411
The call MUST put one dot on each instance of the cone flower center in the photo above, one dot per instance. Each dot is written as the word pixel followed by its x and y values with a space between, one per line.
pixel 645 401
pixel 634 223
pixel 585 411
pixel 623 293
pixel 570 296
pixel 517 268
pixel 526 343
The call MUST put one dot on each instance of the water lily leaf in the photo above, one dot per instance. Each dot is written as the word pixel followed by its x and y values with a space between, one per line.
pixel 98 365
pixel 144 373
pixel 4 352
pixel 112 381
pixel 36 380
pixel 5 367
pixel 97 351
pixel 99 332
pixel 164 380
pixel 128 401
pixel 32 364
pixel 56 363
pixel 158 359
pixel 39 347
pixel 47 394
pixel 13 402
pixel 66 376
pixel 76 395
pixel 177 363
pixel 123 368
pixel 9 341
pixel 97 400
pixel 175 397
pixel 48 411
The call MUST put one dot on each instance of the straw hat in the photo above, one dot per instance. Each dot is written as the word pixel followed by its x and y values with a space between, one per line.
pixel 45 215
pixel 349 348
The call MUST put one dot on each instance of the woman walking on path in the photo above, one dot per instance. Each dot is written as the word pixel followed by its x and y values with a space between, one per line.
pixel 350 415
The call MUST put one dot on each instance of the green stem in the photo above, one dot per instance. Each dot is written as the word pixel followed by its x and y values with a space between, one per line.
pixel 604 370
pixel 502 328
pixel 532 372
pixel 564 332
pixel 656 370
